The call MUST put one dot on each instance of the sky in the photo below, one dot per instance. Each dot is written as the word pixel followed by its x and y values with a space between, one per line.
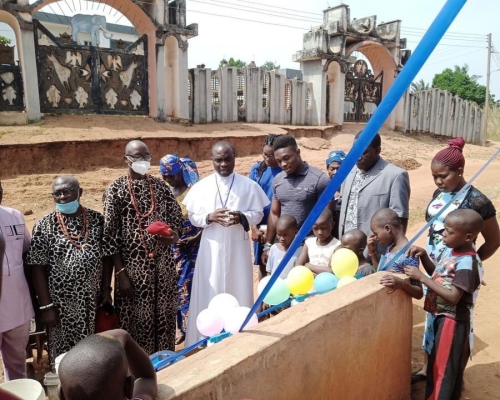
pixel 264 30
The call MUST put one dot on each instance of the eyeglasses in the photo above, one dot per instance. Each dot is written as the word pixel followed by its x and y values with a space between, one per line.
pixel 133 158
pixel 266 156
pixel 64 192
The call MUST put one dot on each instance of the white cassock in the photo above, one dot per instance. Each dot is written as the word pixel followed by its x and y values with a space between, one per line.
pixel 224 263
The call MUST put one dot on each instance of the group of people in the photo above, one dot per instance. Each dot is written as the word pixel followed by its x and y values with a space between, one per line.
pixel 162 282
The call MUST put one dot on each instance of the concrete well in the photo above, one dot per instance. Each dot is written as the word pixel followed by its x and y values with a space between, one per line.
pixel 353 343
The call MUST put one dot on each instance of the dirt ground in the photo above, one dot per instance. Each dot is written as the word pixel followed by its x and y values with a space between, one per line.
pixel 31 194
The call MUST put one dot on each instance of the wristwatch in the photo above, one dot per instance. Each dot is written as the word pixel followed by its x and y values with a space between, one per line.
pixel 207 219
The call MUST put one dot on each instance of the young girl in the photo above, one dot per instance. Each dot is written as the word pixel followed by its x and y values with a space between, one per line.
pixel 317 251
pixel 286 229
pixel 388 231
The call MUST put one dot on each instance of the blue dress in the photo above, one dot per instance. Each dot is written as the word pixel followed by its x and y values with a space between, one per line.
pixel 265 181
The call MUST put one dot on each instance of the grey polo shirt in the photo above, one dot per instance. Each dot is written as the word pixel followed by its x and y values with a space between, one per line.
pixel 299 192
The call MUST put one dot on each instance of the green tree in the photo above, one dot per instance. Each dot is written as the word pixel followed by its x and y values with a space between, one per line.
pixel 232 63
pixel 459 82
pixel 418 86
pixel 4 40
pixel 270 66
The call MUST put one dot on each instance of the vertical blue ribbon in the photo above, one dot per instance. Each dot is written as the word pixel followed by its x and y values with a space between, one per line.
pixel 425 48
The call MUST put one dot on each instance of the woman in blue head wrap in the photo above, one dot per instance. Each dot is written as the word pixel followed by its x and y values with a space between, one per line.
pixel 181 174
pixel 333 162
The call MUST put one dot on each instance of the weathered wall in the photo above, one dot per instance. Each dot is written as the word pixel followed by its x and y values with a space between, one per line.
pixel 251 94
pixel 354 343
pixel 438 112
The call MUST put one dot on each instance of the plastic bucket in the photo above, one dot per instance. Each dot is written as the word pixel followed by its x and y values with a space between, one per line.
pixel 26 389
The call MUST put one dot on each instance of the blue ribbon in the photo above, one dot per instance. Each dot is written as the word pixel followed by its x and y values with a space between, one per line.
pixel 427 45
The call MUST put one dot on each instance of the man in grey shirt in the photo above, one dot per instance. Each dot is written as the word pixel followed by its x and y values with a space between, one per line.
pixel 295 190
pixel 373 184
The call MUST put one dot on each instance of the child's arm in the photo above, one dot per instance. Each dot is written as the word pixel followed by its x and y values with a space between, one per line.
pixel 451 295
pixel 304 256
pixel 419 252
pixel 139 364
pixel 395 283
pixel 318 269
pixel 372 251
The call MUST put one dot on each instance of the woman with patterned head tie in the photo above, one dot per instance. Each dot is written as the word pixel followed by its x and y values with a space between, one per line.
pixel 181 174
pixel 447 168
pixel 263 173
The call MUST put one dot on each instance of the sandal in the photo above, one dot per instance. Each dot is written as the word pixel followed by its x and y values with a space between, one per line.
pixel 418 376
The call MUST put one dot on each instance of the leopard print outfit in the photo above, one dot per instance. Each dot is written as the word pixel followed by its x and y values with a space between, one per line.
pixel 74 275
pixel 150 315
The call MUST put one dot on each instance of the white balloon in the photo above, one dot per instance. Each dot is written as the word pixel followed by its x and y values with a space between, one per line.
pixel 235 317
pixel 223 302
pixel 209 323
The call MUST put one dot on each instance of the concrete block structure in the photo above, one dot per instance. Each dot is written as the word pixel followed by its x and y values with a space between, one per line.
pixel 341 345
pixel 438 112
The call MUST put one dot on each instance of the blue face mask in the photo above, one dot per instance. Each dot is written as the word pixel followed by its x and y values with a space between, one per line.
pixel 68 208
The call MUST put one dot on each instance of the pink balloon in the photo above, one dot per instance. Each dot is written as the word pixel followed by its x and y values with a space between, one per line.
pixel 209 323
pixel 235 317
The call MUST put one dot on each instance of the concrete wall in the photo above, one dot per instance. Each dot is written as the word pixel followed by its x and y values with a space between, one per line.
pixel 259 102
pixel 438 112
pixel 351 344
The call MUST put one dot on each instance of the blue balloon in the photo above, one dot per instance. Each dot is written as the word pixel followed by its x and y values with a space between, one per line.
pixel 325 281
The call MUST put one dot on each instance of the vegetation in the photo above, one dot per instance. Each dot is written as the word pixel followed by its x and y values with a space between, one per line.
pixel 459 82
pixel 232 63
pixel 4 40
pixel 418 86
pixel 270 66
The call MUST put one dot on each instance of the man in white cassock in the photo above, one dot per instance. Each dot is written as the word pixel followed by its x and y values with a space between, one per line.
pixel 225 204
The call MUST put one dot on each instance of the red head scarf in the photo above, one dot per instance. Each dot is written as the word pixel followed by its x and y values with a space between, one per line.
pixel 452 156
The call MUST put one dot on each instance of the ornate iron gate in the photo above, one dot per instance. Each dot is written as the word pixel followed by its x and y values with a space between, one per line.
pixel 87 79
pixel 363 92
pixel 11 81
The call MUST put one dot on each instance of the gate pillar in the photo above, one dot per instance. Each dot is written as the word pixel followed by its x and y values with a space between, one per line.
pixel 28 63
pixel 336 82
pixel 172 77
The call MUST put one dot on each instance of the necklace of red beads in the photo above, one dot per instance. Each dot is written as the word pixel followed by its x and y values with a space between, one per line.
pixel 140 216
pixel 73 238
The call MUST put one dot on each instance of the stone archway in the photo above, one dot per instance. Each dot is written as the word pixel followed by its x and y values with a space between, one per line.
pixel 327 56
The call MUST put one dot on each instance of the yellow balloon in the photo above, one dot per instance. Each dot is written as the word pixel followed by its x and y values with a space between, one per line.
pixel 344 263
pixel 300 280
pixel 345 281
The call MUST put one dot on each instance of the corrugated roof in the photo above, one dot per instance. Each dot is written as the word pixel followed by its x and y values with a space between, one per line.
pixel 64 20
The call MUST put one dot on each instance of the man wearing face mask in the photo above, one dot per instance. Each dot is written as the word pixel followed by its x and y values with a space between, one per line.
pixel 71 276
pixel 145 272
pixel 225 204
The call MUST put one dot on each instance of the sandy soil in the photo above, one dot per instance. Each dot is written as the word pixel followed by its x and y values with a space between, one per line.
pixel 31 193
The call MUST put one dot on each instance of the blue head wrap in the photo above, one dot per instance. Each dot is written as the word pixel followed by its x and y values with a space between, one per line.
pixel 335 156
pixel 171 164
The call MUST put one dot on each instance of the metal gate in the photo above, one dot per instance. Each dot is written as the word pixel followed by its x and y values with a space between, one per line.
pixel 87 79
pixel 363 92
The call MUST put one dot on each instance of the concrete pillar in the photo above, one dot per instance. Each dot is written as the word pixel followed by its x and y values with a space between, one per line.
pixel 253 94
pixel 26 52
pixel 202 80
pixel 229 99
pixel 336 80
pixel 313 73
pixel 277 98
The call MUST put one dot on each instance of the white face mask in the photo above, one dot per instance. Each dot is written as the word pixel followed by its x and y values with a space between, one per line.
pixel 140 167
